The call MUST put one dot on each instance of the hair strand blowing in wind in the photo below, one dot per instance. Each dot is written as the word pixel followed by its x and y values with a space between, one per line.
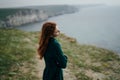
pixel 48 29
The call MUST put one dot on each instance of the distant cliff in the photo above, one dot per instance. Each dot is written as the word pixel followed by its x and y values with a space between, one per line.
pixel 26 15
pixel 23 17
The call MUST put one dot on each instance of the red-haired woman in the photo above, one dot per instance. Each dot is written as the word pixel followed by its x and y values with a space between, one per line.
pixel 50 49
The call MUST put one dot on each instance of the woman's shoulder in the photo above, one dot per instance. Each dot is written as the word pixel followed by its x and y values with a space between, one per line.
pixel 54 41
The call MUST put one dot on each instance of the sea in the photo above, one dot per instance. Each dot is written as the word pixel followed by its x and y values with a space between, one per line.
pixel 92 25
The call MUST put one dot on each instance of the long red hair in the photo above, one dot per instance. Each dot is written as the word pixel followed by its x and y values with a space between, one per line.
pixel 48 29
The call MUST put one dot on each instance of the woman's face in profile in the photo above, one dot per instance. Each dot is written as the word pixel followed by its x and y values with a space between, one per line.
pixel 56 32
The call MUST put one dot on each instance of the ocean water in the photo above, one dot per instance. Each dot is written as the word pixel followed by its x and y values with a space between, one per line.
pixel 99 26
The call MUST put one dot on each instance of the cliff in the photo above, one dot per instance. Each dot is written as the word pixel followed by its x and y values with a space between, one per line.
pixel 23 17
pixel 20 16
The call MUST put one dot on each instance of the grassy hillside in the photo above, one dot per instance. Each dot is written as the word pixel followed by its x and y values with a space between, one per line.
pixel 55 9
pixel 4 12
pixel 50 10
pixel 89 62
pixel 18 51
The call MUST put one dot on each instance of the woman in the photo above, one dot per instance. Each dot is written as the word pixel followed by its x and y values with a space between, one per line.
pixel 50 49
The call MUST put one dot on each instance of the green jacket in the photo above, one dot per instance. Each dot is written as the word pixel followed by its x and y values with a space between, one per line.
pixel 55 60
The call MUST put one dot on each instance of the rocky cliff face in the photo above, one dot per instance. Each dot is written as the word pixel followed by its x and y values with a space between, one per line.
pixel 27 15
pixel 23 17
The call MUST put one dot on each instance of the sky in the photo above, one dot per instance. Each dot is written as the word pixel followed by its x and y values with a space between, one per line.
pixel 17 3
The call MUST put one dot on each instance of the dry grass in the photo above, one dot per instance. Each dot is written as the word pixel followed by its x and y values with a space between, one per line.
pixel 85 62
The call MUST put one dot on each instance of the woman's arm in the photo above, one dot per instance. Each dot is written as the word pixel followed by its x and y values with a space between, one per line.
pixel 60 58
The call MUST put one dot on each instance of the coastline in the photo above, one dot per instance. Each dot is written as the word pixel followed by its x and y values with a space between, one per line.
pixel 22 16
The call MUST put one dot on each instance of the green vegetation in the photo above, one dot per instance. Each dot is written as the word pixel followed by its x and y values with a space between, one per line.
pixel 55 9
pixel 89 62
pixel 17 54
pixel 18 51
pixel 4 12
pixel 51 10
